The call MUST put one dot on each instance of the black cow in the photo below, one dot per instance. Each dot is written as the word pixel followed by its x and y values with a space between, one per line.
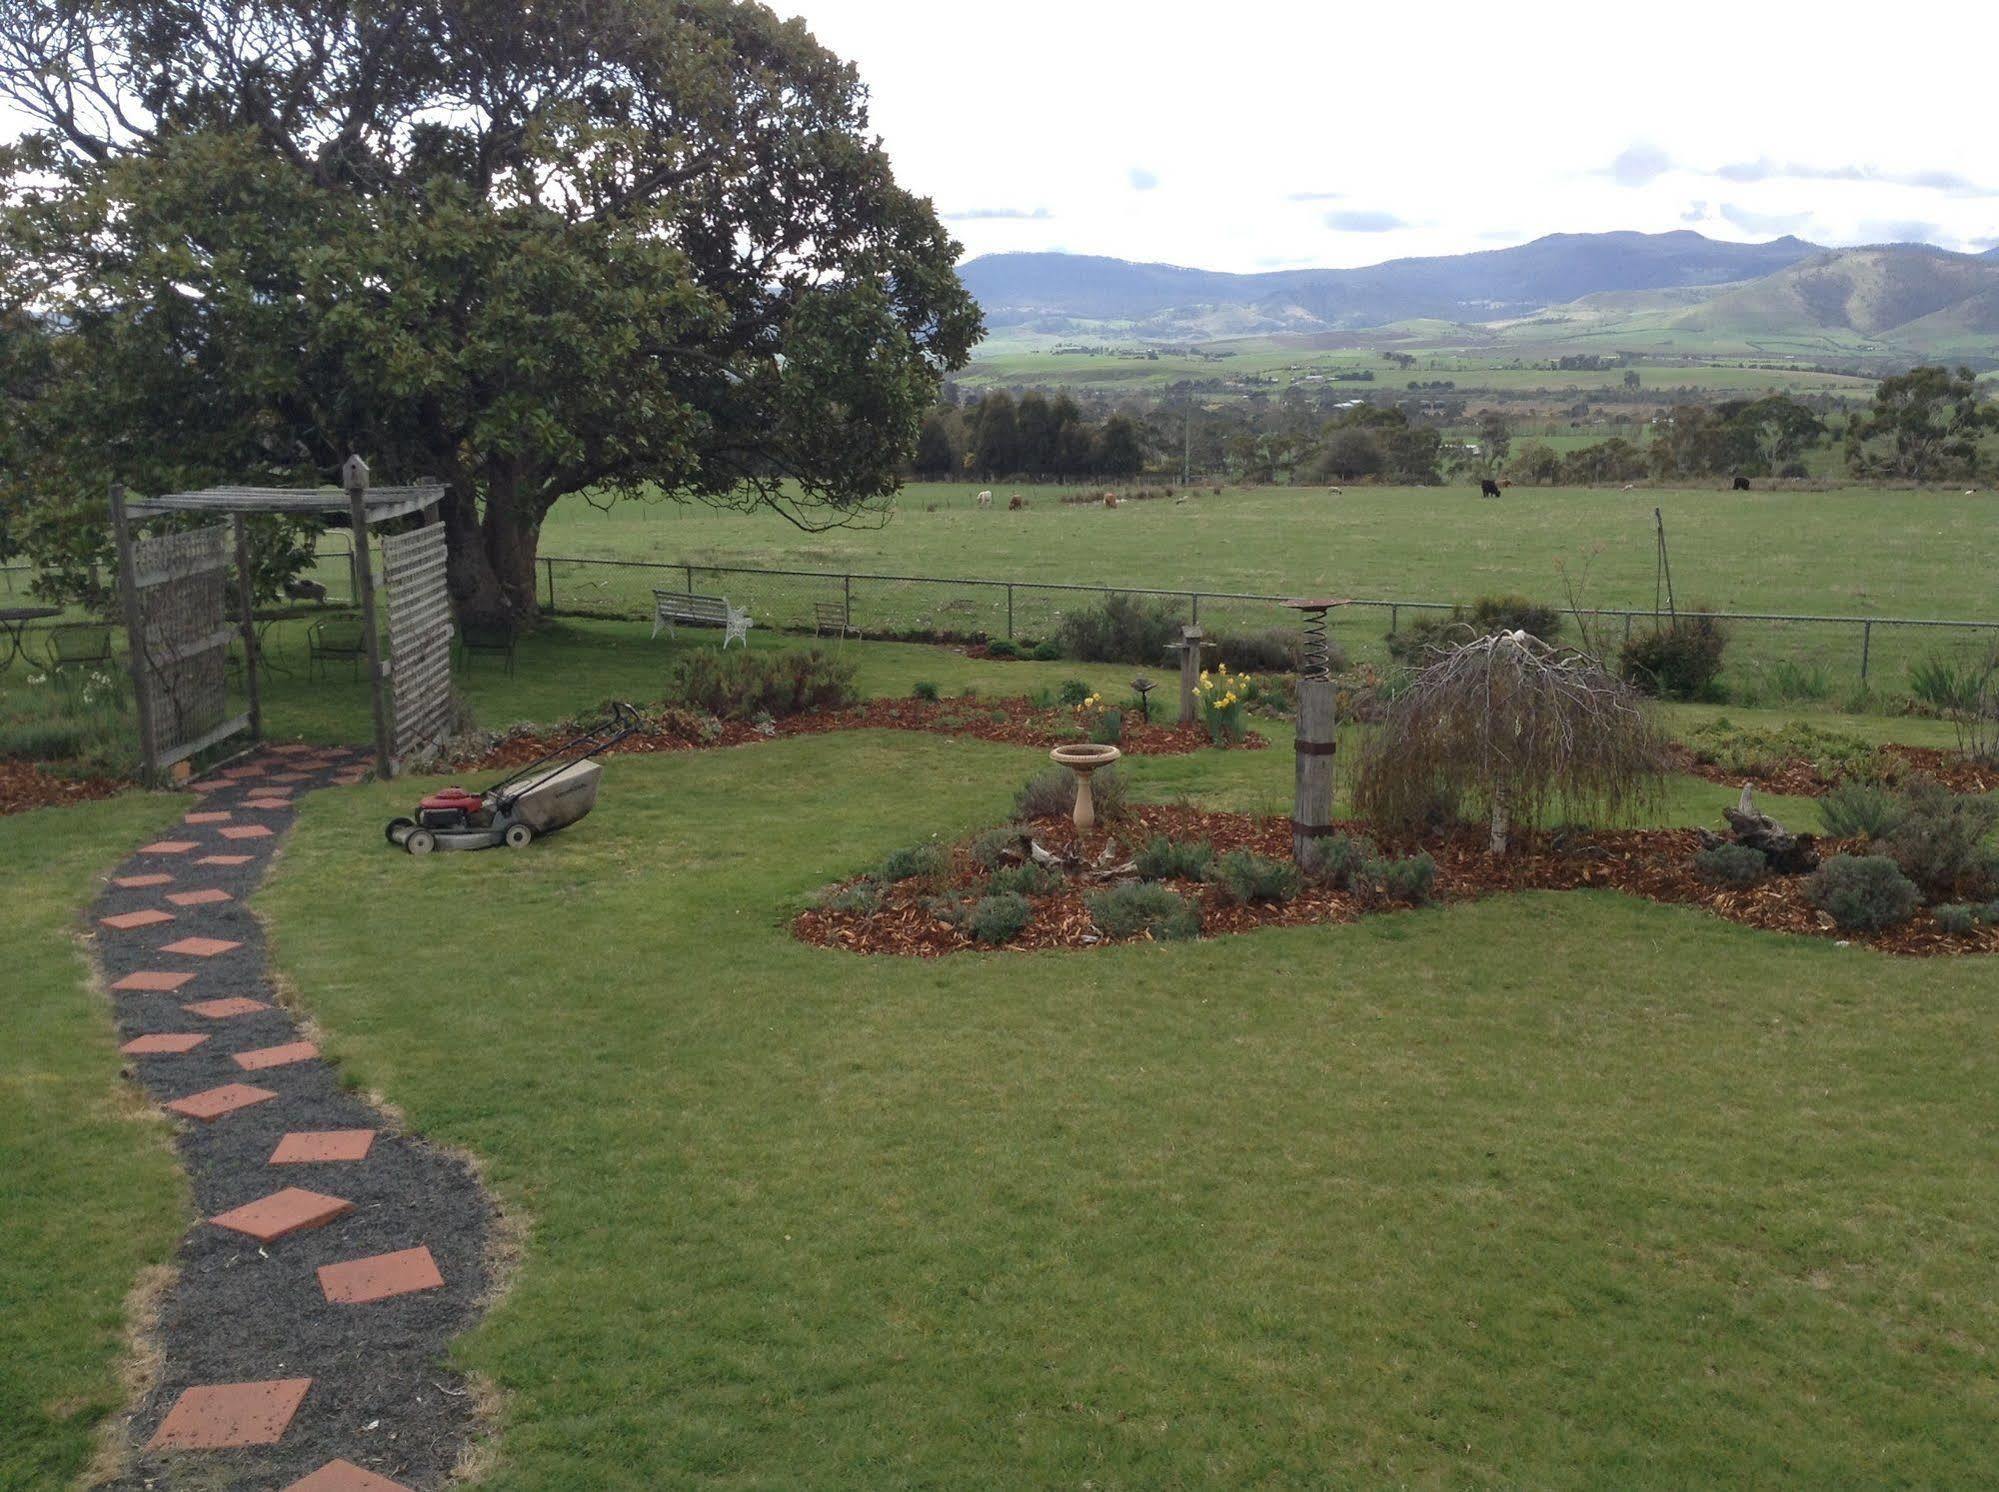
pixel 1487 487
pixel 1742 484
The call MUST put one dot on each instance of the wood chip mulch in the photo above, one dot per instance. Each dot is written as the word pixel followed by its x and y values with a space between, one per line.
pixel 1799 777
pixel 1652 863
pixel 1013 722
pixel 23 785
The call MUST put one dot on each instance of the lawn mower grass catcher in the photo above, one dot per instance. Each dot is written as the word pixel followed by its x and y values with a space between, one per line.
pixel 550 793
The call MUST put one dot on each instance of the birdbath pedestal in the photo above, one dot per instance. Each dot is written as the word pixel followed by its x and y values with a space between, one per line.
pixel 1083 759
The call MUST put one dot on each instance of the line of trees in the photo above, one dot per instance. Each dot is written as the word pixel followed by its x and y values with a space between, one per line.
pixel 1034 437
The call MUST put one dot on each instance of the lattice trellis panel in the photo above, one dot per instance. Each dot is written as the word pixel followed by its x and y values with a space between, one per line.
pixel 184 639
pixel 419 639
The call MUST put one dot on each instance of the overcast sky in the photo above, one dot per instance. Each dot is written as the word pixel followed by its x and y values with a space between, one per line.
pixel 1266 134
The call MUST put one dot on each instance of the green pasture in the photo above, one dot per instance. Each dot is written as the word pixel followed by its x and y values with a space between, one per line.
pixel 1859 552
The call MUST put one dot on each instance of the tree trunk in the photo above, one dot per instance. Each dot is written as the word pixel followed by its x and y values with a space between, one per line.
pixel 1499 821
pixel 491 565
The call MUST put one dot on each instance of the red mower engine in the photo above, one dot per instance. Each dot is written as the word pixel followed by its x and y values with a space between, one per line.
pixel 454 808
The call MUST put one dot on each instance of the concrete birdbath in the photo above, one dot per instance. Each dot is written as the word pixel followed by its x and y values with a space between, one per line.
pixel 1083 759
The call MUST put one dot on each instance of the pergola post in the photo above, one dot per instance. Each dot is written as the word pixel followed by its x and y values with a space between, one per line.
pixel 246 597
pixel 354 477
pixel 135 636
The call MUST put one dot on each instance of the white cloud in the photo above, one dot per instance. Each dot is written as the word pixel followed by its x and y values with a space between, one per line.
pixel 1777 223
pixel 998 214
pixel 1032 110
pixel 1363 220
pixel 1640 165
pixel 1141 179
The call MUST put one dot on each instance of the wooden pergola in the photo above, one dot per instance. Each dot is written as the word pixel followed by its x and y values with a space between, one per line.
pixel 171 590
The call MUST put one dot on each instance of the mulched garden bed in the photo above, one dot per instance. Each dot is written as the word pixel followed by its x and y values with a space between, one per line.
pixel 1016 721
pixel 23 785
pixel 1653 863
pixel 1800 777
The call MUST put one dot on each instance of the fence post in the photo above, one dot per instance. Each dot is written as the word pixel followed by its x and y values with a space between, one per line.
pixel 847 603
pixel 1866 647
pixel 1009 611
pixel 690 578
pixel 1627 626
pixel 1394 619
pixel 548 569
pixel 1194 607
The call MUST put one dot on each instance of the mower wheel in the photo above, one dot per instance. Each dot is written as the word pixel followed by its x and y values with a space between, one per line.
pixel 518 835
pixel 420 842
pixel 405 825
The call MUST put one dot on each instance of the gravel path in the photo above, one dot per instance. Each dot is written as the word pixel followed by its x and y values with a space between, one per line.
pixel 289 1354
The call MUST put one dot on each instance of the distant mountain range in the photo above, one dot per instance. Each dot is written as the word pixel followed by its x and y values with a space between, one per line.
pixel 1663 290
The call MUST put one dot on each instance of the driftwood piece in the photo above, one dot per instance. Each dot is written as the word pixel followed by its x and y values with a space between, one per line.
pixel 1789 854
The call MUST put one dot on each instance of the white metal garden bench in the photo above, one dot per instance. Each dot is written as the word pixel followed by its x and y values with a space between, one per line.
pixel 669 607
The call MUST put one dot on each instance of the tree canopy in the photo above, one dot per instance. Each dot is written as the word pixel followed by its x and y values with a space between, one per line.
pixel 1924 425
pixel 617 245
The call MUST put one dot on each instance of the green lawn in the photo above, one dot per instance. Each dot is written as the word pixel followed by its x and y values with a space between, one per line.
pixel 1549 1191
pixel 1853 552
pixel 90 1194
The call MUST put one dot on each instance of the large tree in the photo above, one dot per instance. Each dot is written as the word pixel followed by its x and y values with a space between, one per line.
pixel 1924 425
pixel 617 246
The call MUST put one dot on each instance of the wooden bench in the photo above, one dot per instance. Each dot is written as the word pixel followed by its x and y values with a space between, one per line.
pixel 669 607
pixel 830 616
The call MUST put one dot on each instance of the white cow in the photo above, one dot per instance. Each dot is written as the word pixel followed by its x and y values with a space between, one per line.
pixel 985 499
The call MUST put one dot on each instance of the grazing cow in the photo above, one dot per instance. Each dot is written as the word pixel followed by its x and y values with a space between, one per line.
pixel 985 499
pixel 1742 484
pixel 1337 491
pixel 1110 499
pixel 1016 503
pixel 1630 487
pixel 305 590
pixel 1487 487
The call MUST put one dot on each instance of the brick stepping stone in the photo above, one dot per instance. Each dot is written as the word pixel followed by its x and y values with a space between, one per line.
pixel 283 1213
pixel 272 805
pixel 199 898
pixel 153 981
pixel 275 1056
pixel 245 831
pixel 345 1476
pixel 133 883
pixel 380 1277
pixel 223 1009
pixel 216 816
pixel 237 774
pixel 212 1103
pixel 147 918
pixel 222 1415
pixel 225 859
pixel 168 847
pixel 161 1042
pixel 201 947
pixel 314 1146
pixel 205 788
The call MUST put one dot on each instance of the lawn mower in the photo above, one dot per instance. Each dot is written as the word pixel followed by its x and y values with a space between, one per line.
pixel 547 794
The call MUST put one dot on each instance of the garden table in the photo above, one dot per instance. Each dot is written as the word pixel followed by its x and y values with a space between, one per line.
pixel 14 622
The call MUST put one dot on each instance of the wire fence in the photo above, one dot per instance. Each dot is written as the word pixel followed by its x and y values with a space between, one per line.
pixel 1833 652
pixel 1874 650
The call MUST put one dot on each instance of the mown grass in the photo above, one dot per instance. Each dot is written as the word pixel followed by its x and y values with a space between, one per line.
pixel 89 1191
pixel 1552 1191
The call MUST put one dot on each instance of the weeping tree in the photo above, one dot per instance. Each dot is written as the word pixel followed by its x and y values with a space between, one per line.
pixel 615 247
pixel 1511 727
